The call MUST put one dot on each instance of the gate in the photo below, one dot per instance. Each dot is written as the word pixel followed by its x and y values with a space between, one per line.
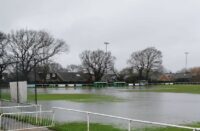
pixel 22 116
pixel 26 120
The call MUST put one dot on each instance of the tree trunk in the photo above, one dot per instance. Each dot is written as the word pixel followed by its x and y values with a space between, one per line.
pixel 1 76
pixel 24 76
pixel 147 75
pixel 97 78
pixel 140 74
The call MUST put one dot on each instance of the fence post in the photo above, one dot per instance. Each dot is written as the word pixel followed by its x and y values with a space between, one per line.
pixel 129 125
pixel 36 115
pixel 53 117
pixel 40 110
pixel 0 121
pixel 88 122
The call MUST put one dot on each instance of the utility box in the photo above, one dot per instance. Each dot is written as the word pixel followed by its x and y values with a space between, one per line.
pixel 22 91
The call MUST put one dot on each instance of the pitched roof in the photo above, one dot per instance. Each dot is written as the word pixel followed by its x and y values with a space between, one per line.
pixel 182 76
pixel 73 76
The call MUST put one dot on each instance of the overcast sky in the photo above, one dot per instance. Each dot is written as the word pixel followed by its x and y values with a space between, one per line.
pixel 172 26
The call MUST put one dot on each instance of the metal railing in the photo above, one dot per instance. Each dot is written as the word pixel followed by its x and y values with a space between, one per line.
pixel 12 109
pixel 26 120
pixel 7 103
pixel 20 119
pixel 129 120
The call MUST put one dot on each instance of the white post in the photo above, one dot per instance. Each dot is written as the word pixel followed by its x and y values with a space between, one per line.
pixel 53 117
pixel 40 110
pixel 88 122
pixel 0 121
pixel 129 125
pixel 36 115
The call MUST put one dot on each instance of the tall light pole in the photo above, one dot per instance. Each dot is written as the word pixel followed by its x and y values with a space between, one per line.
pixel 17 76
pixel 106 43
pixel 35 81
pixel 186 61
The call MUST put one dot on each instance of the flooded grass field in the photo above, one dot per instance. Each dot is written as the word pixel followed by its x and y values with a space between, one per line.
pixel 153 106
pixel 137 103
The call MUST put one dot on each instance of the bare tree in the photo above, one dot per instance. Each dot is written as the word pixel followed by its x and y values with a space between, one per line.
pixel 97 62
pixel 32 47
pixel 43 69
pixel 137 62
pixel 4 57
pixel 126 74
pixel 195 72
pixel 147 60
pixel 153 60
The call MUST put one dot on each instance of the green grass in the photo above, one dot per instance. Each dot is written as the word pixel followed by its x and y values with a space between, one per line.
pixel 82 126
pixel 196 125
pixel 5 96
pixel 76 97
pixel 195 89
pixel 161 129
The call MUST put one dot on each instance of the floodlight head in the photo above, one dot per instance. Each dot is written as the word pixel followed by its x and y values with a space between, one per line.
pixel 106 43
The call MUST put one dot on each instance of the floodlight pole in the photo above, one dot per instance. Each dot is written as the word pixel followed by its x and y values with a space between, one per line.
pixel 17 77
pixel 186 61
pixel 35 81
pixel 106 43
pixel 1 81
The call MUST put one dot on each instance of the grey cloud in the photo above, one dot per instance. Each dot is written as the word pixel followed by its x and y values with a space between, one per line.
pixel 129 25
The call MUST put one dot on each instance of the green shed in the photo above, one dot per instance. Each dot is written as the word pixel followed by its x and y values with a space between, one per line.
pixel 100 84
pixel 120 84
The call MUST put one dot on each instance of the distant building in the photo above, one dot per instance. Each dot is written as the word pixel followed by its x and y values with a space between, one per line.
pixel 62 77
pixel 183 77
pixel 166 77
pixel 73 77
pixel 178 77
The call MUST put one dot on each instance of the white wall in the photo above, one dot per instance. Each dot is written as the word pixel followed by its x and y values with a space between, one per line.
pixel 22 85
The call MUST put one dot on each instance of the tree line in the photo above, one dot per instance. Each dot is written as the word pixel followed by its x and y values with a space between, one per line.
pixel 26 49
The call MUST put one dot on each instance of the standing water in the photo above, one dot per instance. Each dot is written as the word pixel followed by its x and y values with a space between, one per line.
pixel 161 107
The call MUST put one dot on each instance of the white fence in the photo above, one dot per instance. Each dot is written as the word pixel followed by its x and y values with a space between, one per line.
pixel 20 116
pixel 9 103
pixel 129 120
pixel 12 109
pixel 20 119
pixel 26 120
